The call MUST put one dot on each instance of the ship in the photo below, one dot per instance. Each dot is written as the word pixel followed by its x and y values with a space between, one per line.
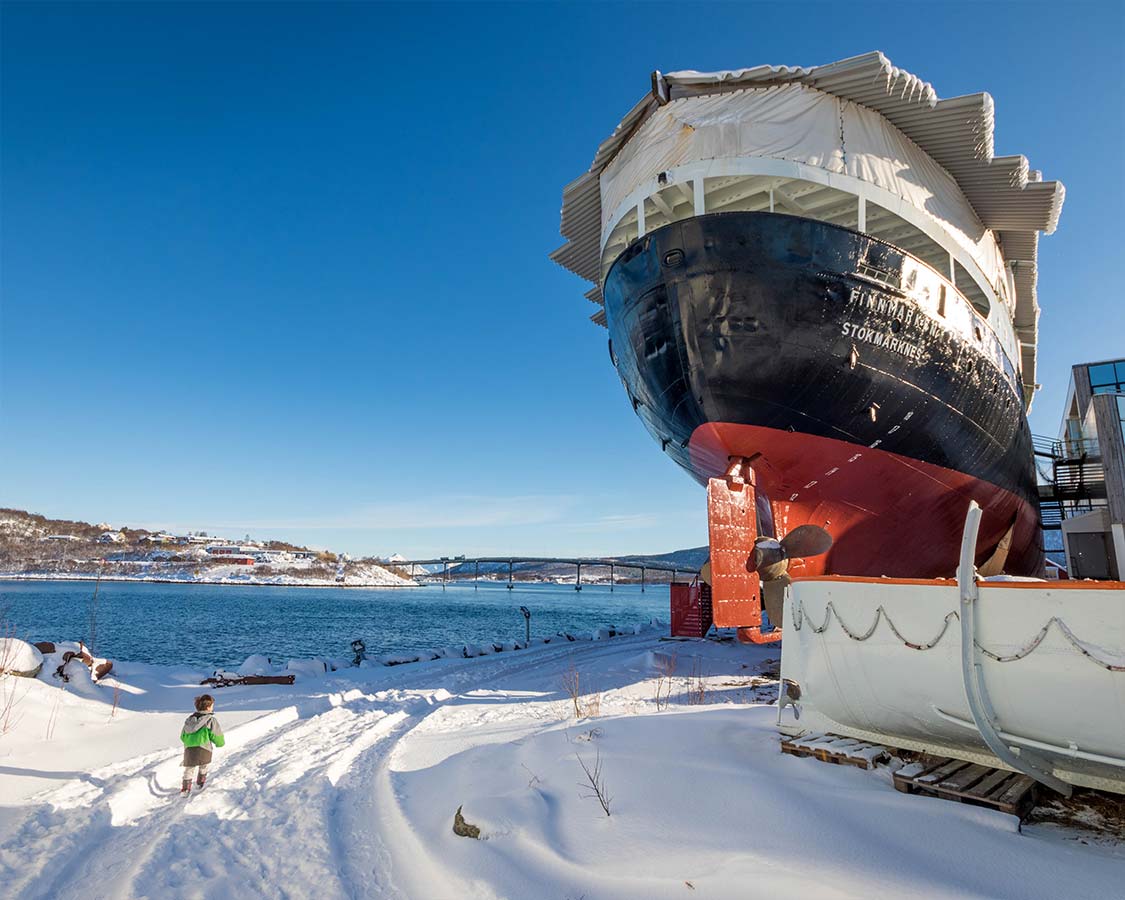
pixel 826 274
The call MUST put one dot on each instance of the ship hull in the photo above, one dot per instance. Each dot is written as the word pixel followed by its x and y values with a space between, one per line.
pixel 764 336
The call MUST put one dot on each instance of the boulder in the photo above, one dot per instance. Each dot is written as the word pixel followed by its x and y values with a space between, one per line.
pixel 19 658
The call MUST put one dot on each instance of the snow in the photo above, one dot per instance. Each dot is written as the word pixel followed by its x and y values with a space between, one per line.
pixel 19 657
pixel 345 784
pixel 306 668
pixel 154 568
pixel 256 664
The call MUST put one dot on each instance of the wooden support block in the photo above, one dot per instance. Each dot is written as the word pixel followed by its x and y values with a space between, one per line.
pixel 831 748
pixel 1018 796
pixel 953 779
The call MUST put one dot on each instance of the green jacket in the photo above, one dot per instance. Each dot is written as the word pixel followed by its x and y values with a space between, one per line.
pixel 202 730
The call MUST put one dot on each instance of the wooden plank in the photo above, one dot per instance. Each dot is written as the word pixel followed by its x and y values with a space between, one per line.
pixel 797 748
pixel 832 748
pixel 811 741
pixel 841 744
pixel 1016 791
pixel 931 763
pixel 987 785
pixel 962 781
pixel 1013 789
pixel 940 773
pixel 872 753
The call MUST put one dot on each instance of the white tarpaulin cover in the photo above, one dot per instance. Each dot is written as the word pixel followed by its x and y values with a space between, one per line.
pixel 800 124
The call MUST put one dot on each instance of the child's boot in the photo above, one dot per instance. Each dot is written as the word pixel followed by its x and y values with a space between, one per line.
pixel 201 780
pixel 185 787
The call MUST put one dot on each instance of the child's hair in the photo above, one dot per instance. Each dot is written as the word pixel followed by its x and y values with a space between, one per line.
pixel 203 701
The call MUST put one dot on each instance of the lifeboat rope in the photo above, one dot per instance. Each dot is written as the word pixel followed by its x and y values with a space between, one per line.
pixel 801 615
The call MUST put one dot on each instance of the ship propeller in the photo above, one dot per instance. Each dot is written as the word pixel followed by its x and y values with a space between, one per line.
pixel 770 560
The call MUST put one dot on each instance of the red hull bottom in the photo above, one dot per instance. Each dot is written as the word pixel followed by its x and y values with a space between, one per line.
pixel 888 514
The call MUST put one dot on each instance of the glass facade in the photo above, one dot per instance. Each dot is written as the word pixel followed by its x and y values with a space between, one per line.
pixel 1108 378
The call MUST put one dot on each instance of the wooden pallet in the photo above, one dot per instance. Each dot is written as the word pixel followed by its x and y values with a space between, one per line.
pixel 954 779
pixel 832 748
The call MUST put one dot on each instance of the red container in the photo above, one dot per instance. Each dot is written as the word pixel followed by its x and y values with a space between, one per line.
pixel 691 608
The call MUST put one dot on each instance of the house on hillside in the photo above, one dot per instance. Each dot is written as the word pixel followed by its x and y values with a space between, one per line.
pixel 111 537
pixel 241 554
pixel 62 537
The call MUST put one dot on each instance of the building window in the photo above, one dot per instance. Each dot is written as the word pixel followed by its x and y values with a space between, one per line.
pixel 1108 378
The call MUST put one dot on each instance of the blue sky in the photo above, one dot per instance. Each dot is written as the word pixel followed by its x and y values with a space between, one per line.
pixel 282 269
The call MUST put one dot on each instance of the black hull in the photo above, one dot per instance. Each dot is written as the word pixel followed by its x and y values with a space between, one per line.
pixel 754 319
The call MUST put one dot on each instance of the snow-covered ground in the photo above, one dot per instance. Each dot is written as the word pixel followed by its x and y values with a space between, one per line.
pixel 346 785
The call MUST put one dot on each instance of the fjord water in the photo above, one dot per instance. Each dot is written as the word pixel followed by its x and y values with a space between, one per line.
pixel 220 625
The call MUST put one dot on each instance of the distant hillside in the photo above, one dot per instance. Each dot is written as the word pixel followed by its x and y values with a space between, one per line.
pixel 35 546
pixel 692 558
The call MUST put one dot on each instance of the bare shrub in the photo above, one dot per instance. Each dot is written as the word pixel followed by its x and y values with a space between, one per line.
pixel 10 695
pixel 584 706
pixel 595 782
pixel 53 718
pixel 571 684
pixel 696 693
pixel 665 671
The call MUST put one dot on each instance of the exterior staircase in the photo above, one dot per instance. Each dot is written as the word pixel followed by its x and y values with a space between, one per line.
pixel 1071 479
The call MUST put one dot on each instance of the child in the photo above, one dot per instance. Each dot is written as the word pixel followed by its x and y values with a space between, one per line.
pixel 200 731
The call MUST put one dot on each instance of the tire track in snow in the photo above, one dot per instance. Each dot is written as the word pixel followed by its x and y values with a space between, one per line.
pixel 142 800
pixel 259 815
pixel 303 797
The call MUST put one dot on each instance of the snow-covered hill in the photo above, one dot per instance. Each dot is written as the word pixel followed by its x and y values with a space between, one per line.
pixel 35 547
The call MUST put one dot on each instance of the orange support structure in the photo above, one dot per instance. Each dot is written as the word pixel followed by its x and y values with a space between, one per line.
pixel 732 524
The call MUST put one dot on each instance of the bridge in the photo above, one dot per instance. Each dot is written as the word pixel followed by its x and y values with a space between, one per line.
pixel 578 562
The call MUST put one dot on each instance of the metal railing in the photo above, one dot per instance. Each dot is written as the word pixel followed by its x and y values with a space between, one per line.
pixel 1072 478
pixel 460 568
